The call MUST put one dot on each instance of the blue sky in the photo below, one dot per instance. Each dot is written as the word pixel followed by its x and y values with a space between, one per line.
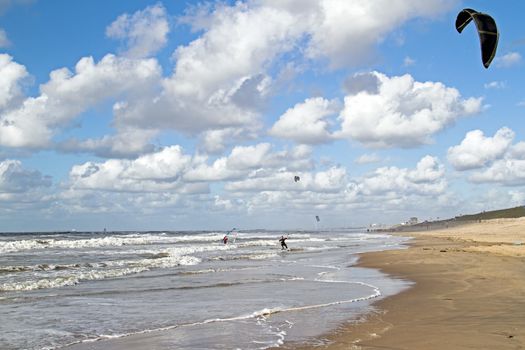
pixel 151 115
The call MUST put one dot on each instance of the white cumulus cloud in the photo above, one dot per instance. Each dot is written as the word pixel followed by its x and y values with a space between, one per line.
pixel 403 112
pixel 476 150
pixel 355 27
pixel 258 161
pixel 306 122
pixel 154 172
pixel 14 178
pixel 219 79
pixel 145 32
pixel 428 178
pixel 332 180
pixel 127 143
pixel 508 60
pixel 215 141
pixel 508 171
pixel 11 76
pixel 222 78
pixel 22 190
pixel 492 159
pixel 66 95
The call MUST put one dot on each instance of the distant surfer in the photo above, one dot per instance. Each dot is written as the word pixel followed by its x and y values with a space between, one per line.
pixel 225 239
pixel 283 243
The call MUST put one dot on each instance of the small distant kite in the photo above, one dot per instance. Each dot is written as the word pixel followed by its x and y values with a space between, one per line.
pixel 317 218
pixel 487 31
pixel 296 178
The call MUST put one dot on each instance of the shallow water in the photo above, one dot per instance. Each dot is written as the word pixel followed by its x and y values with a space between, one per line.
pixel 187 287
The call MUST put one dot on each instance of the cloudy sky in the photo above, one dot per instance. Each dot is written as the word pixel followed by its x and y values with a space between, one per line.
pixel 151 115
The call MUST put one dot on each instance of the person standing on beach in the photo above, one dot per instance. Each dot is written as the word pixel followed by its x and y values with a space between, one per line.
pixel 283 243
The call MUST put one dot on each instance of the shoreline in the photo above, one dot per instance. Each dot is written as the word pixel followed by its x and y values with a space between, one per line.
pixel 469 292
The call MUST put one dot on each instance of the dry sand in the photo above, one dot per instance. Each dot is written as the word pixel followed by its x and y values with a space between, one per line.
pixel 469 292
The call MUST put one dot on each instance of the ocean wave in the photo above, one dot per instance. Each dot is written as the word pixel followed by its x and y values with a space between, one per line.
pixel 66 277
pixel 166 258
pixel 108 241
pixel 48 267
pixel 54 242
pixel 32 244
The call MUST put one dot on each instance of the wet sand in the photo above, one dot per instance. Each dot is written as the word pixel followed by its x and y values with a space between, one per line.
pixel 469 292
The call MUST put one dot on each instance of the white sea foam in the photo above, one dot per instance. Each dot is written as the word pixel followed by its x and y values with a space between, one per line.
pixel 8 246
pixel 32 244
pixel 257 243
pixel 63 278
pixel 108 241
pixel 153 258
pixel 60 275
pixel 11 246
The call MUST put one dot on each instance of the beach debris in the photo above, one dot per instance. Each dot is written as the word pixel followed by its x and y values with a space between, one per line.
pixel 487 31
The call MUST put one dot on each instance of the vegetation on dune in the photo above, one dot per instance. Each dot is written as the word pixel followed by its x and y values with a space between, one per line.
pixel 495 214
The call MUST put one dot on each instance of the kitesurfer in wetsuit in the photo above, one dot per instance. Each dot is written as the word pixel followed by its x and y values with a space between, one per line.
pixel 283 243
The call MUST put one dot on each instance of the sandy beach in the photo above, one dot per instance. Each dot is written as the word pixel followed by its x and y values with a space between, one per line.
pixel 469 292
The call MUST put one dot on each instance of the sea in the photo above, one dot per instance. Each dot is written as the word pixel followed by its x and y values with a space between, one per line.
pixel 185 290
